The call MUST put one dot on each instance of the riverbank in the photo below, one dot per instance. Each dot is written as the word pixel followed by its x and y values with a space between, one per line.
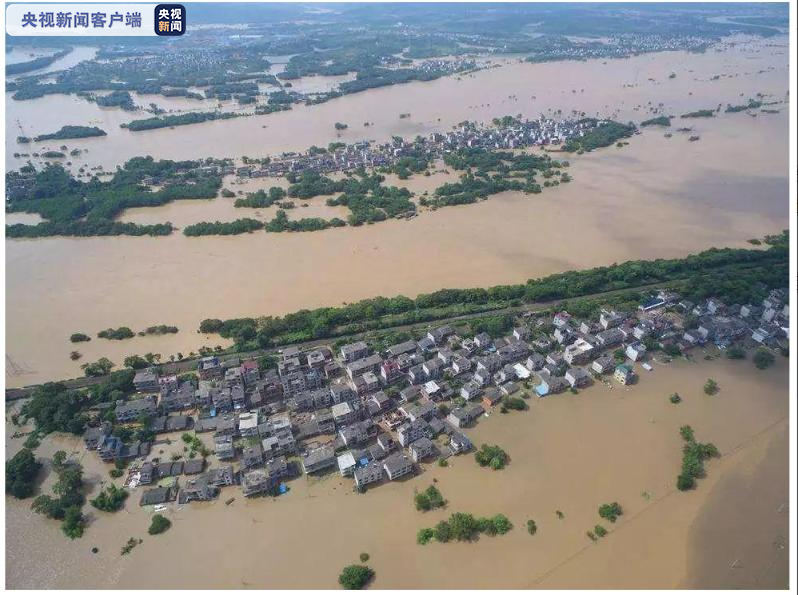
pixel 569 453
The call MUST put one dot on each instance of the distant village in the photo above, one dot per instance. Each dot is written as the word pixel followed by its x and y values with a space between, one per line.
pixel 375 415
pixel 508 134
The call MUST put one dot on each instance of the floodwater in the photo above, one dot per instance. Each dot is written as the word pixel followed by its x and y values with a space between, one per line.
pixel 595 87
pixel 567 453
pixel 73 58
pixel 656 197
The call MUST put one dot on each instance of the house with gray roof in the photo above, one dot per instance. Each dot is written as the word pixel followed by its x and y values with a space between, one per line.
pixel 222 476
pixel 397 465
pixel 255 482
pixel 146 381
pixel 197 489
pixel 422 449
pixel 252 456
pixel 130 411
pixel 159 495
pixel 319 459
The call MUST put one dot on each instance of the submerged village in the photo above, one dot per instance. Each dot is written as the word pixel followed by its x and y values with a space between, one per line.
pixel 375 415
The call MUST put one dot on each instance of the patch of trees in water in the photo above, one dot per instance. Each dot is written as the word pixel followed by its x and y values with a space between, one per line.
pixel 67 132
pixel 76 208
pixel 658 121
pixel 602 135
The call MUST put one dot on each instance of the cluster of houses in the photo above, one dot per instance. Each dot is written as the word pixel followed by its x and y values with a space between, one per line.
pixel 616 46
pixel 374 415
pixel 516 134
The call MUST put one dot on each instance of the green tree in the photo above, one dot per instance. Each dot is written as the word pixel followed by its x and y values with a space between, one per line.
pixel 135 362
pixel 355 576
pixel 74 523
pixel 159 525
pixel 611 512
pixel 501 524
pixel 424 536
pixel 735 352
pixel 763 358
pixel 492 456
pixel 21 472
pixel 111 499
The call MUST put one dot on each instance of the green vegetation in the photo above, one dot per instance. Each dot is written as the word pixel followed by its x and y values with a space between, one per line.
pixel 261 199
pixel 68 501
pixel 364 557
pixel 355 576
pixel 560 514
pixel 369 201
pixel 763 358
pixel 491 172
pixel 160 329
pixel 599 531
pixel 135 362
pixel 531 527
pixel 67 132
pixel 86 229
pixel 160 524
pixel 74 522
pixel 117 334
pixel 492 456
pixel 341 126
pixel 465 527
pixel 111 499
pixel 693 456
pixel 611 512
pixel 658 121
pixel 169 121
pixel 76 208
pixel 733 275
pixel 128 547
pixel 702 113
pixel 79 337
pixel 752 104
pixel 21 472
pixel 55 408
pixel 735 352
pixel 514 404
pixel 36 63
pixel 424 536
pixel 711 387
pixel 228 228
pixel 281 223
pixel 603 135
pixel 675 398
pixel 121 99
pixel 429 499
pixel 102 367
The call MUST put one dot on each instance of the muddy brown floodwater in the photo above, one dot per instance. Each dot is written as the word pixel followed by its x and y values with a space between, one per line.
pixel 656 197
pixel 569 453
